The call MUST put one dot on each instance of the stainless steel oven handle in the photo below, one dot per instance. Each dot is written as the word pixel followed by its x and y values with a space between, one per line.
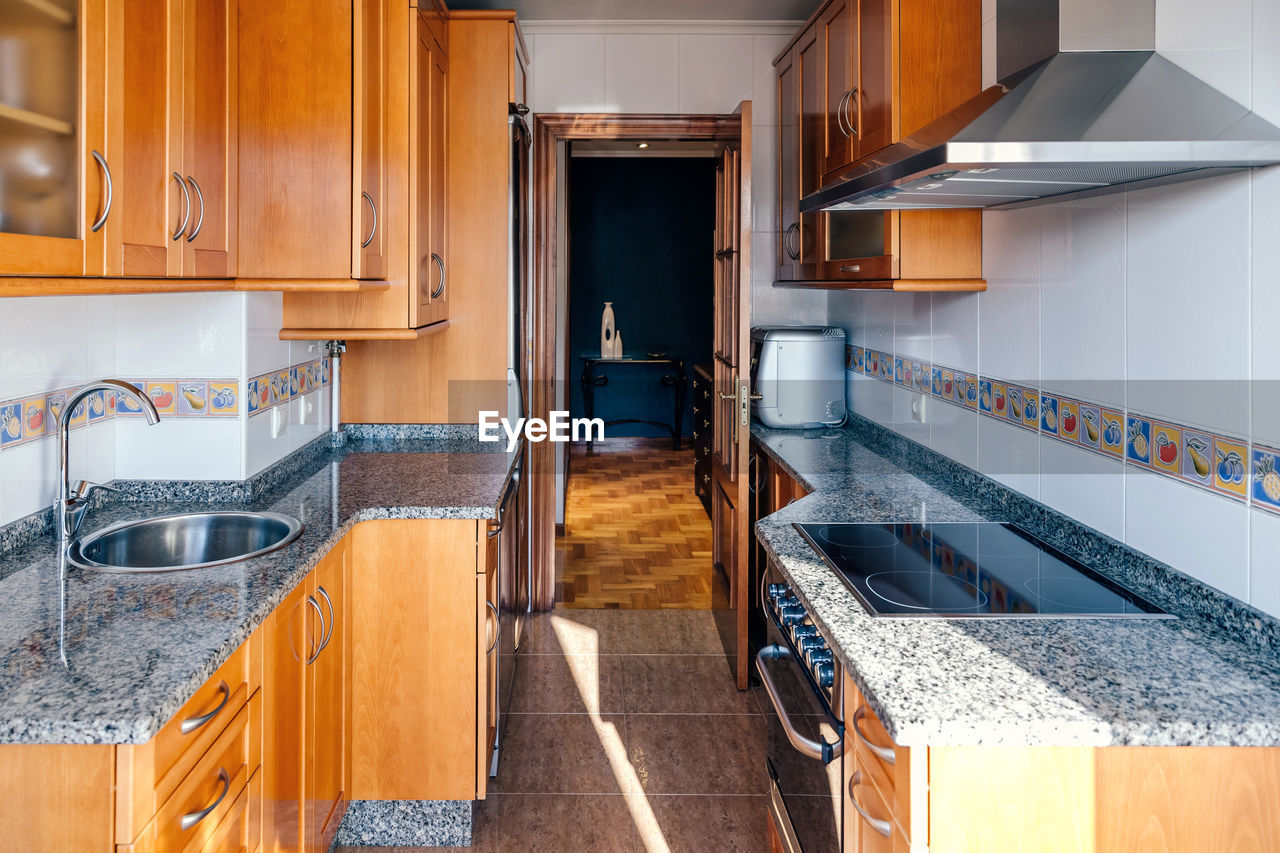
pixel 884 753
pixel 819 749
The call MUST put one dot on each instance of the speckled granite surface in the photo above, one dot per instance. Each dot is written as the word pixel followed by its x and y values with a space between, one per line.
pixel 406 823
pixel 90 657
pixel 1210 677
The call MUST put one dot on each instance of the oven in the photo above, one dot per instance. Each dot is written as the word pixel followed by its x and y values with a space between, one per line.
pixel 805 731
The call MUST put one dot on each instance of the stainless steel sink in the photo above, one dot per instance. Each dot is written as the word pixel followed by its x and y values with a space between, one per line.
pixel 190 541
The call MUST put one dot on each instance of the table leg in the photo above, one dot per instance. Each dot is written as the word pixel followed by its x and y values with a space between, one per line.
pixel 682 382
pixel 588 396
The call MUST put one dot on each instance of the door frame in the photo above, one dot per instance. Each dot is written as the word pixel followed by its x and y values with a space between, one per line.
pixel 549 130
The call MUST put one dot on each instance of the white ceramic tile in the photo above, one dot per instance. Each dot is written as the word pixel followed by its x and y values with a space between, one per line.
pixel 1214 45
pixel 1129 25
pixel 989 52
pixel 870 398
pixel 29 474
pixel 261 447
pixel 264 351
pixel 953 432
pixel 1265 305
pixel 1228 71
pixel 1084 485
pixel 988 10
pixel 1187 344
pixel 777 306
pixel 903 423
pixel 1009 455
pixel 912 326
pixel 308 417
pixel 180 334
pixel 1011 247
pixel 300 352
pixel 1009 333
pixel 764 179
pixel 955 330
pixel 764 257
pixel 1266 60
pixel 568 74
pixel 1082 298
pixel 878 320
pixel 715 72
pixel 45 342
pixel 1264 561
pixel 1196 532
pixel 179 449
pixel 764 96
pixel 641 73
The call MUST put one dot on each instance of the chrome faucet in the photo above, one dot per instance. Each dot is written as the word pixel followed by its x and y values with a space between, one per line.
pixel 71 504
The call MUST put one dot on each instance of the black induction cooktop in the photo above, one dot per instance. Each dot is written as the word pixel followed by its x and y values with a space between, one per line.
pixel 983 569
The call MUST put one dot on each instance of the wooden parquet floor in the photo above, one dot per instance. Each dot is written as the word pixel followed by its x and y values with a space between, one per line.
pixel 636 536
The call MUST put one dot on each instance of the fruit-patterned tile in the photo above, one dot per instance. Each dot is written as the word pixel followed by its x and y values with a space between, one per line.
pixel 164 396
pixel 1137 443
pixel 1112 424
pixel 1031 408
pixel 1166 448
pixel 1090 429
pixel 1265 479
pixel 984 396
pixel 251 396
pixel 97 406
pixel 35 419
pixel 1069 420
pixel 10 423
pixel 193 398
pixel 224 398
pixel 1049 415
pixel 1230 466
pixel 1197 458
pixel 126 405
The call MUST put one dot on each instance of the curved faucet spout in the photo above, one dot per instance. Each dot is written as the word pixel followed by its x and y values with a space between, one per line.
pixel 69 507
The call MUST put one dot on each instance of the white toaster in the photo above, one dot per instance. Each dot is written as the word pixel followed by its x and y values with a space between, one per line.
pixel 798 371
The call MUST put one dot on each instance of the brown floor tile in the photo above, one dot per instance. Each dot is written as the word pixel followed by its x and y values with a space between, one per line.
pixel 567 631
pixel 698 753
pixel 564 754
pixel 699 824
pixel 682 684
pixel 665 632
pixel 572 684
pixel 542 823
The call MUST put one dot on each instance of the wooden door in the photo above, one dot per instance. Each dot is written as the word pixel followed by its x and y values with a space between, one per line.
pixel 326 705
pixel 294 627
pixel 209 144
pixel 369 191
pixel 731 431
pixel 789 123
pixel 427 120
pixel 813 123
pixel 837 29
pixel 872 108
pixel 55 190
pixel 145 97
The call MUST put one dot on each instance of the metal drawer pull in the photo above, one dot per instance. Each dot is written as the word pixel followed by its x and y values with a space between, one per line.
pixel 818 749
pixel 851 268
pixel 853 131
pixel 192 818
pixel 332 618
pixel 199 197
pixel 374 230
pixel 106 207
pixel 435 294
pixel 840 114
pixel 313 603
pixel 190 724
pixel 186 208
pixel 497 629
pixel 884 753
pixel 881 826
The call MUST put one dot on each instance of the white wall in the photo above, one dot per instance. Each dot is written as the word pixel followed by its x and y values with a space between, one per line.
pixel 1162 302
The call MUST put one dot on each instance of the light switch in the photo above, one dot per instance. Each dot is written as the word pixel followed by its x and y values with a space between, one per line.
pixel 917 408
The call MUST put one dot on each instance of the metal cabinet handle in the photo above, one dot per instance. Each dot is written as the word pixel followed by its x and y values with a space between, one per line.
pixel 840 114
pixel 881 826
pixel 332 618
pixel 884 753
pixel 192 818
pixel 819 749
pixel 311 601
pixel 199 197
pixel 792 242
pixel 497 628
pixel 435 294
pixel 190 724
pixel 186 208
pixel 106 207
pixel 374 230
pixel 851 268
pixel 853 93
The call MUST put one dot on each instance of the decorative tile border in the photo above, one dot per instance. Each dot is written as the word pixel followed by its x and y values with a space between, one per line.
pixel 269 390
pixel 1223 464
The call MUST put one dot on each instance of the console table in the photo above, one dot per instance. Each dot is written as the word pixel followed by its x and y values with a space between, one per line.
pixel 673 375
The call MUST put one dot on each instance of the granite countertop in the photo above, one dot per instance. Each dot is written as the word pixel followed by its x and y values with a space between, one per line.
pixel 1201 679
pixel 92 657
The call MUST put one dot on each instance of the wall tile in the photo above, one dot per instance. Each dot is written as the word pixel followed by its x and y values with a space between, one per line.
pixel 764 96
pixel 1264 561
pixel 716 72
pixel 953 432
pixel 1188 302
pixel 878 320
pixel 844 309
pixel 178 449
pixel 1199 533
pixel 199 334
pixel 955 330
pixel 912 326
pixel 1009 455
pixel 902 421
pixel 1083 485
pixel 1266 60
pixel 1216 46
pixel 642 73
pixel 870 398
pixel 45 343
pixel 1264 310
pixel 1009 333
pixel 568 74
pixel 1011 246
pixel 764 180
pixel 263 348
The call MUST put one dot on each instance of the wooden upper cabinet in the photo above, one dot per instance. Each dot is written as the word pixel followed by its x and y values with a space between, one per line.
pixel 369 192
pixel 428 118
pixel 871 107
pixel 788 250
pixel 837 32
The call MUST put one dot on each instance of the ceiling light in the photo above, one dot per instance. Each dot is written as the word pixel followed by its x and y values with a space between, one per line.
pixel 642 145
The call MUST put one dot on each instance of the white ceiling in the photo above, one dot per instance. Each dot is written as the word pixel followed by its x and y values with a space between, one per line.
pixel 649 10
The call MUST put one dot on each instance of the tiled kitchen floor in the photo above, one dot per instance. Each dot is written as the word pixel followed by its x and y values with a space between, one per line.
pixel 626 734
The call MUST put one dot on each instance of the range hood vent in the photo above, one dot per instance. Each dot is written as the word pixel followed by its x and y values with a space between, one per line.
pixel 1079 121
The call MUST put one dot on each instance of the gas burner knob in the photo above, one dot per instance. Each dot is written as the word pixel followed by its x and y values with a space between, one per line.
pixel 777 591
pixel 803 630
pixel 791 614
pixel 809 645
pixel 824 672
pixel 817 656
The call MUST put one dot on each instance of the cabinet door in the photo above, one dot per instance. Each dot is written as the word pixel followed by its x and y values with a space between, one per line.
pixel 369 193
pixel 326 703
pixel 813 118
pixel 290 642
pixel 427 167
pixel 871 110
pixel 209 148
pixel 788 167
pixel 487 645
pixel 145 81
pixel 52 120
pixel 837 30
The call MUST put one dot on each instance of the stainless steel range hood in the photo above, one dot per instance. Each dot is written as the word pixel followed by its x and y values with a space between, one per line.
pixel 1079 121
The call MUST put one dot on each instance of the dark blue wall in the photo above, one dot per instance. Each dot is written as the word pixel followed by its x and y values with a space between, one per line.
pixel 642 237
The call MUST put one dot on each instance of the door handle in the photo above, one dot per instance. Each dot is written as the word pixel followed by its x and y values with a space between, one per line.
pixel 199 197
pixel 435 294
pixel 106 205
pixel 374 230
pixel 186 208
pixel 819 749
pixel 840 114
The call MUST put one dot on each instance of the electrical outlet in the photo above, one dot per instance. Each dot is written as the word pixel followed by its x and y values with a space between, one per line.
pixel 917 408
pixel 278 421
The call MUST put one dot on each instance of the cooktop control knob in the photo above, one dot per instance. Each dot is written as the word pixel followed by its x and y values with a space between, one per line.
pixel 777 591
pixel 824 673
pixel 803 630
pixel 817 656
pixel 791 613
pixel 810 645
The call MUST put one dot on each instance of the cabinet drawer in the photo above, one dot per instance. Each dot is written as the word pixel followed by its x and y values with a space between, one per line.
pixel 240 830
pixel 148 774
pixel 868 818
pixel 191 818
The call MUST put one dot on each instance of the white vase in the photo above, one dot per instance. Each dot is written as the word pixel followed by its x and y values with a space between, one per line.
pixel 617 344
pixel 608 332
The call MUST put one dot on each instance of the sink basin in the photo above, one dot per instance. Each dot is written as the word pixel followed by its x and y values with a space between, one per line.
pixel 189 541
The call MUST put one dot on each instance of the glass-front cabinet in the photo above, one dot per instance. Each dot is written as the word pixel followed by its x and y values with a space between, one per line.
pixel 55 189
